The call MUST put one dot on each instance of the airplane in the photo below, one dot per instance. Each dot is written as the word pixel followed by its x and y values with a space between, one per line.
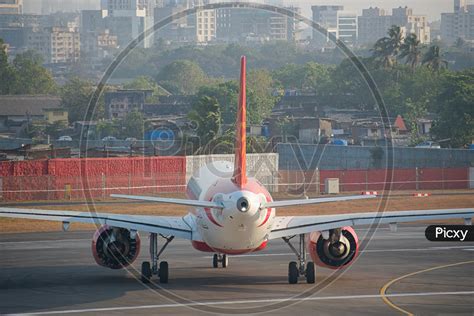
pixel 232 213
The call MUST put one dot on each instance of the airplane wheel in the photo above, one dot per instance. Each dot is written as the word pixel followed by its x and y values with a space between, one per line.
pixel 293 273
pixel 146 272
pixel 163 272
pixel 225 261
pixel 215 261
pixel 310 274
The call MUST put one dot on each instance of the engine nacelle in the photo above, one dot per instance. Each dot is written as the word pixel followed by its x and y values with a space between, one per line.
pixel 337 254
pixel 114 247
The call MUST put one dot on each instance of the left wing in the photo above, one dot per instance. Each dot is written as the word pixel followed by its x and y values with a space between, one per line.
pixel 293 225
pixel 166 225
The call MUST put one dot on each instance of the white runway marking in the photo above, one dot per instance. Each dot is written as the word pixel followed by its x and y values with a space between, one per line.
pixel 470 248
pixel 269 300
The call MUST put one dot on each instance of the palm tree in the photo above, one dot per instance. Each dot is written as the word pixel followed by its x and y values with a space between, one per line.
pixel 432 59
pixel 410 50
pixel 386 48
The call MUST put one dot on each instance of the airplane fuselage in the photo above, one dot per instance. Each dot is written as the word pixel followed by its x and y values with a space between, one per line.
pixel 241 226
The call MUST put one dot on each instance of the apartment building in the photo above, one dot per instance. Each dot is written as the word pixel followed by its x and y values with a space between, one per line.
pixel 458 24
pixel 337 23
pixel 56 44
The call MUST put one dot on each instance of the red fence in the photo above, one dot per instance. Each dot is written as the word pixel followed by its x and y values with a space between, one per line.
pixel 94 177
pixel 99 177
pixel 379 179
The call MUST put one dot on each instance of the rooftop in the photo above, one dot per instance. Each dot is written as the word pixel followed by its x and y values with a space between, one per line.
pixel 18 105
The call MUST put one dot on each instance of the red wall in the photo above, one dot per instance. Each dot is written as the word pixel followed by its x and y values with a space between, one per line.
pixel 94 177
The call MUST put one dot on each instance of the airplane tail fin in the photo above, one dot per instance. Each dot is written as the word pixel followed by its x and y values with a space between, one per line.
pixel 240 173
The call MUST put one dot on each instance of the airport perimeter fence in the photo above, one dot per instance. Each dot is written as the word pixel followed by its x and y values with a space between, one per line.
pixel 51 187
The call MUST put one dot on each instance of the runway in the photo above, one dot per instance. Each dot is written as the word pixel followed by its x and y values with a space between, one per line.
pixel 54 273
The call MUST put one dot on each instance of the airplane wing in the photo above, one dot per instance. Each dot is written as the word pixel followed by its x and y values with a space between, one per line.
pixel 315 201
pixel 294 225
pixel 194 203
pixel 166 225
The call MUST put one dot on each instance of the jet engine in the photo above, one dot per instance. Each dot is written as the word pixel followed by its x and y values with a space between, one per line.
pixel 336 249
pixel 115 248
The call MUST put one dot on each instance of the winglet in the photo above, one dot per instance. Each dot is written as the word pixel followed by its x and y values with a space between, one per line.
pixel 240 173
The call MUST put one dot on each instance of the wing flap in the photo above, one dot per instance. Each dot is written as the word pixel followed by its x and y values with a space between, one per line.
pixel 166 225
pixel 293 225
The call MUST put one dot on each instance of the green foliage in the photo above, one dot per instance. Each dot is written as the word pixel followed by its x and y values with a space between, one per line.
pixel 387 48
pixel 433 59
pixel 107 128
pixel 26 75
pixel 134 125
pixel 260 101
pixel 75 97
pixel 206 116
pixel 226 94
pixel 415 111
pixel 310 77
pixel 410 51
pixel 455 108
pixel 55 130
pixel 182 77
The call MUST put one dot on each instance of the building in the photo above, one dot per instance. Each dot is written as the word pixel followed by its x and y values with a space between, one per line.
pixel 121 102
pixel 311 130
pixel 96 40
pixel 234 25
pixel 11 7
pixel 56 44
pixel 53 115
pixel 128 19
pixel 338 23
pixel 205 26
pixel 458 24
pixel 181 30
pixel 15 110
pixel 374 24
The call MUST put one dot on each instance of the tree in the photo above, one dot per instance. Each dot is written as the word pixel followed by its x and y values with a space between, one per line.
pixel 134 125
pixel 410 50
pixel 7 77
pixel 31 77
pixel 226 94
pixel 75 97
pixel 55 129
pixel 310 77
pixel 433 60
pixel 106 128
pixel 182 77
pixel 387 48
pixel 456 113
pixel 415 111
pixel 206 115
pixel 260 101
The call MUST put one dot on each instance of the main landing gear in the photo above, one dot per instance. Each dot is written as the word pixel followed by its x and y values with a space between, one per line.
pixel 300 268
pixel 220 258
pixel 148 270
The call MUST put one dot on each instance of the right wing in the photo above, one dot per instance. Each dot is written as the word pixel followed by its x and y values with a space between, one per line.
pixel 294 225
pixel 166 225
pixel 195 203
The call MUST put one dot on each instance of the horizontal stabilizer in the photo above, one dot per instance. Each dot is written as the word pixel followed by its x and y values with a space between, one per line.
pixel 314 201
pixel 194 203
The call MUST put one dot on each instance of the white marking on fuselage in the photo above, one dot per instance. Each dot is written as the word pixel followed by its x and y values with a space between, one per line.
pixel 239 302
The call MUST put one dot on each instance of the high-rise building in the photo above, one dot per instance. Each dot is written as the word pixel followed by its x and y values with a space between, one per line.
pixel 128 19
pixel 458 24
pixel 56 44
pixel 336 22
pixel 374 24
pixel 11 6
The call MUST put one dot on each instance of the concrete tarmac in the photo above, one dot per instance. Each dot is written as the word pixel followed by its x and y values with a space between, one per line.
pixel 54 273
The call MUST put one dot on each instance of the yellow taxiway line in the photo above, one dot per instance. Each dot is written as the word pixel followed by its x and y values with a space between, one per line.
pixel 384 288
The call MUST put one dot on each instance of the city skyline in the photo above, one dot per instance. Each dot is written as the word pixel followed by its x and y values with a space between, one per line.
pixel 431 8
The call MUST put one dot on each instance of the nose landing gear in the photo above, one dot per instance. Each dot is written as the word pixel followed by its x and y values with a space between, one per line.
pixel 220 258
pixel 300 268
pixel 148 270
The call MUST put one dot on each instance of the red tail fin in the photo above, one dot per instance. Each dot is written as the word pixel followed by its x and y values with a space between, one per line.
pixel 240 173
